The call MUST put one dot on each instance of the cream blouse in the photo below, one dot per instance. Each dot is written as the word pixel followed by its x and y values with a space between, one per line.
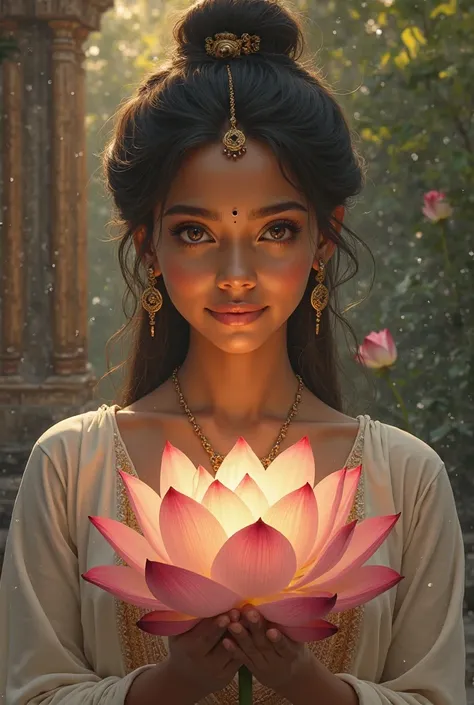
pixel 64 641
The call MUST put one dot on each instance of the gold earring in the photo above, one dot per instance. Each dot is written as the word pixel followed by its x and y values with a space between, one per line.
pixel 319 295
pixel 152 299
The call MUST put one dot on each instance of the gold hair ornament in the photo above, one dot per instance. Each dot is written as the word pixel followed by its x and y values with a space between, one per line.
pixel 152 299
pixel 228 46
pixel 320 294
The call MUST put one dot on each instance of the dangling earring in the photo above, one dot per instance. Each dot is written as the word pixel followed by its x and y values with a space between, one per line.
pixel 319 295
pixel 152 299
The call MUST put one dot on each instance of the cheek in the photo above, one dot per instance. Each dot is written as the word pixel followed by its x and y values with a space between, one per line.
pixel 184 277
pixel 290 277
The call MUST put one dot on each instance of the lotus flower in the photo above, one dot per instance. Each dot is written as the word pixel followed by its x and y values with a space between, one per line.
pixel 377 350
pixel 249 535
pixel 436 207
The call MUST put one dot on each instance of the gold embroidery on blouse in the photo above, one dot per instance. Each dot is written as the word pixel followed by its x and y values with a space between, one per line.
pixel 139 648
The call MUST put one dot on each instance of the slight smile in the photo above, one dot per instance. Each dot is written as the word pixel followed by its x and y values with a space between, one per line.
pixel 237 314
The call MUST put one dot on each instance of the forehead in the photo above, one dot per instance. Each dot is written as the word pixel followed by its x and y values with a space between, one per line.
pixel 208 177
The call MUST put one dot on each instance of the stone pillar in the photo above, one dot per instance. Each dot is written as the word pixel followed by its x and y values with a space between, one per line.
pixel 45 375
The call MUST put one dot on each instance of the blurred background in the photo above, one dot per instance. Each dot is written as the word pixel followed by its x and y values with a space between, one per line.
pixel 403 71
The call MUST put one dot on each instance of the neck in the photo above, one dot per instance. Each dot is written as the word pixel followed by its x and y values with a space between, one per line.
pixel 242 387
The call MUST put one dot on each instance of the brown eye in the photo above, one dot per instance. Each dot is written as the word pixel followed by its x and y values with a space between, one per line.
pixel 278 232
pixel 194 234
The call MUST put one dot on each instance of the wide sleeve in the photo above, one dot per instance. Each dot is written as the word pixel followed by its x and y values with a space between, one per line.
pixel 425 664
pixel 42 658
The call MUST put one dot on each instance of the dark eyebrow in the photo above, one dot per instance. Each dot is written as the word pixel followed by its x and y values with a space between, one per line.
pixel 273 209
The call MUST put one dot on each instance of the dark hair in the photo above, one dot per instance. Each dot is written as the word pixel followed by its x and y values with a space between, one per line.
pixel 185 104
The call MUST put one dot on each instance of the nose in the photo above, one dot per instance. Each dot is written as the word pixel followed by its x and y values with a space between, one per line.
pixel 236 269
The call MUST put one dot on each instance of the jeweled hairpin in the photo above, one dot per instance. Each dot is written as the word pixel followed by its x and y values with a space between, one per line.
pixel 226 45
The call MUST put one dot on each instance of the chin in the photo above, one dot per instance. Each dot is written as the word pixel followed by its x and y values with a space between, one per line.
pixel 237 344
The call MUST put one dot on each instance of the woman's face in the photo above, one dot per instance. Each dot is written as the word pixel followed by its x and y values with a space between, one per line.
pixel 236 247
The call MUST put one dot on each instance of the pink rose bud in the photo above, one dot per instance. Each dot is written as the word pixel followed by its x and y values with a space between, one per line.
pixel 436 207
pixel 378 350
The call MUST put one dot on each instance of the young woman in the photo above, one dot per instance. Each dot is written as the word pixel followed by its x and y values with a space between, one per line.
pixel 230 169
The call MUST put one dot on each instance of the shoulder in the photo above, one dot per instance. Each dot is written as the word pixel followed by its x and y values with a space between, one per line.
pixel 412 463
pixel 64 440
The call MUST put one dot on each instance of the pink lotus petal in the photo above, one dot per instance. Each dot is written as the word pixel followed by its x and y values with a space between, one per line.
pixel 252 496
pixel 351 482
pixel 191 533
pixel 146 504
pixel 316 631
pixel 256 561
pixel 290 470
pixel 176 471
pixel 166 623
pixel 331 555
pixel 363 584
pixel 296 611
pixel 201 481
pixel 131 546
pixel 328 493
pixel 230 511
pixel 187 592
pixel 125 583
pixel 366 539
pixel 296 517
pixel 239 461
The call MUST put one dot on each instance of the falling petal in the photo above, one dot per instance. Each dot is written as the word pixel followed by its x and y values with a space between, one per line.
pixel 187 592
pixel 255 561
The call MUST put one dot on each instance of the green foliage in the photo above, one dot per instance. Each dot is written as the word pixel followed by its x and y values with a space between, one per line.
pixel 403 72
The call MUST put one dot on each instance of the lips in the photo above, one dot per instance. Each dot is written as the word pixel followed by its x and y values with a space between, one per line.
pixel 237 314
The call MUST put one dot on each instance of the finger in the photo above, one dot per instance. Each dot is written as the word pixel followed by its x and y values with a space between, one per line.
pixel 245 642
pixel 236 653
pixel 210 631
pixel 257 625
pixel 280 642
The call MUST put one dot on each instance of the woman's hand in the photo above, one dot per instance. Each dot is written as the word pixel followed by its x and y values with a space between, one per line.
pixel 273 658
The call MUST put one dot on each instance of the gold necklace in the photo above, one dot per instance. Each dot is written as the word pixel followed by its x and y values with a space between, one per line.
pixel 215 458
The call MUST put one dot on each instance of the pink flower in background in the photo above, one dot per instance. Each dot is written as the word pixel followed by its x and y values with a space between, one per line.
pixel 265 537
pixel 436 207
pixel 378 350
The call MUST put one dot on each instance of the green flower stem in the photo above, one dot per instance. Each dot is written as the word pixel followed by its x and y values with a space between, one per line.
pixel 385 373
pixel 245 686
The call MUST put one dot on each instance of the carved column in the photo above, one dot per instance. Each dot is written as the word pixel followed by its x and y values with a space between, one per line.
pixel 45 375
pixel 81 218
pixel 64 121
pixel 12 272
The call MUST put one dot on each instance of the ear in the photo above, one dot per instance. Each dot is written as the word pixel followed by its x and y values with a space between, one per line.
pixel 149 258
pixel 327 247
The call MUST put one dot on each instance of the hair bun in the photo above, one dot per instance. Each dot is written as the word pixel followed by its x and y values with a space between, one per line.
pixel 277 27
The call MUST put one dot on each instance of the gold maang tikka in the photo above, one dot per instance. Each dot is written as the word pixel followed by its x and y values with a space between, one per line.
pixel 228 46
pixel 320 294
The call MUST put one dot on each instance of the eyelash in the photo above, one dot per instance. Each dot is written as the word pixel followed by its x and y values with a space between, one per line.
pixel 292 226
